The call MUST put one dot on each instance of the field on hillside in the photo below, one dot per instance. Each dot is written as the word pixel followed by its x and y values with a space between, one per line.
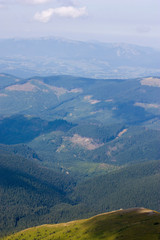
pixel 122 224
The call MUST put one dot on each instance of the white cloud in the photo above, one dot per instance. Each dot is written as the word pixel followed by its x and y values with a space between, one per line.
pixel 44 16
pixel 70 12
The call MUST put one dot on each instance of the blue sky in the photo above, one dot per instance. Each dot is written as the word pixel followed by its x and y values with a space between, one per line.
pixel 127 21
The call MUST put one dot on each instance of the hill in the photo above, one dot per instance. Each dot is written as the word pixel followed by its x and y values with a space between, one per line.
pixel 31 194
pixel 21 129
pixel 82 125
pixel 28 190
pixel 131 186
pixel 75 99
pixel 74 147
pixel 130 224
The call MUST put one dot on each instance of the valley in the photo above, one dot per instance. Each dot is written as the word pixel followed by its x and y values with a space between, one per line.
pixel 79 120
pixel 73 147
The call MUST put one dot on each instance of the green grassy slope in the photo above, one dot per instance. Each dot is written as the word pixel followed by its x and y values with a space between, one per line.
pixel 130 224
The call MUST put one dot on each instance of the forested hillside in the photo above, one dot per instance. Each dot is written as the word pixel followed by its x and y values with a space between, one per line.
pixel 74 147
pixel 31 194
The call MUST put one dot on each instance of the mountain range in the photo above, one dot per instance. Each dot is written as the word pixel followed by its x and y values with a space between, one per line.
pixel 73 147
pixel 50 56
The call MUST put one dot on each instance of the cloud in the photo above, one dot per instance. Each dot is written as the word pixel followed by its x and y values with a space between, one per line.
pixel 44 16
pixel 69 12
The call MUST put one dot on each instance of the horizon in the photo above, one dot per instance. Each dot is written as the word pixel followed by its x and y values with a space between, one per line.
pixel 92 41
pixel 120 21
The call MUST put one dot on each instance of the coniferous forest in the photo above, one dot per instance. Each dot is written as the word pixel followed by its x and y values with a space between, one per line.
pixel 71 148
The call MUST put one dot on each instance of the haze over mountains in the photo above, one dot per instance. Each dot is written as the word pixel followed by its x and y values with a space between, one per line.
pixel 48 56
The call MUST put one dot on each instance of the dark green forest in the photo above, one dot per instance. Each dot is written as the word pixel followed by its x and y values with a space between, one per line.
pixel 74 147
pixel 31 194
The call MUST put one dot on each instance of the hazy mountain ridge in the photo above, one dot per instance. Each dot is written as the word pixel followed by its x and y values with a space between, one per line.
pixel 74 98
pixel 48 56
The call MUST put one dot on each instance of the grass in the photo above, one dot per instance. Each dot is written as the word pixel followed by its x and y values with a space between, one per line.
pixel 89 169
pixel 133 224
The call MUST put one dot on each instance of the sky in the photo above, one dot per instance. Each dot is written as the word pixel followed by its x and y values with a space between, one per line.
pixel 128 21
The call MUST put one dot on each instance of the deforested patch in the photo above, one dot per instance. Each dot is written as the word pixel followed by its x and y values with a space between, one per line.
pixel 152 82
pixel 88 143
pixel 26 87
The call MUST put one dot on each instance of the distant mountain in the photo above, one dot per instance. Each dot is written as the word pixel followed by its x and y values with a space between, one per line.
pixel 138 223
pixel 75 98
pixel 48 56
